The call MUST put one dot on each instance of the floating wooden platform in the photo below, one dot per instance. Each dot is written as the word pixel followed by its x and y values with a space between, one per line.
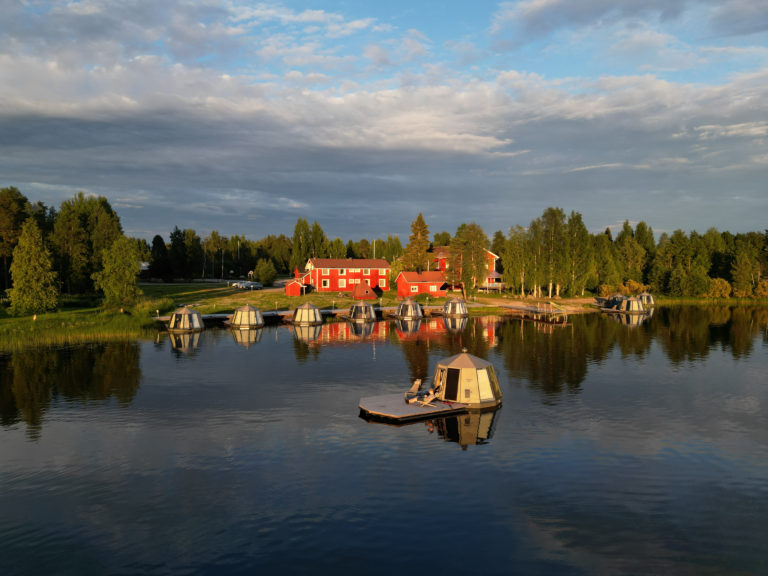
pixel 393 407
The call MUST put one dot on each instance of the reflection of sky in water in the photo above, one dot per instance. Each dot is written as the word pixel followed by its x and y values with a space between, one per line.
pixel 236 458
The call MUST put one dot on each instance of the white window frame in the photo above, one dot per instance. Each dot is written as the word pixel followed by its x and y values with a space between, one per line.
pixel 366 271
pixel 325 271
pixel 382 283
pixel 342 283
pixel 325 283
pixel 433 288
pixel 414 289
pixel 342 272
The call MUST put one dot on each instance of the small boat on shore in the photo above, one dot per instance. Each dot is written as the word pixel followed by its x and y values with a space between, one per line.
pixel 461 383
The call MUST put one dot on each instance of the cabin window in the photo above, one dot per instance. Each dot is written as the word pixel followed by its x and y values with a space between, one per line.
pixel 367 272
pixel 433 288
pixel 325 271
pixel 485 386
pixel 414 288
pixel 325 284
pixel 382 271
pixel 342 283
pixel 342 272
pixel 382 283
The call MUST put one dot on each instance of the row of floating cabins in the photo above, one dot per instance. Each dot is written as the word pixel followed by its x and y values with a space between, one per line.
pixel 186 319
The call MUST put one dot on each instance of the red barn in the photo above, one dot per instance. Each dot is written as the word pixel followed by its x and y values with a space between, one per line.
pixel 344 274
pixel 415 283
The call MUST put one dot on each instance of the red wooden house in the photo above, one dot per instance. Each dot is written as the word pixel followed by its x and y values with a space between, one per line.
pixel 415 283
pixel 492 280
pixel 344 274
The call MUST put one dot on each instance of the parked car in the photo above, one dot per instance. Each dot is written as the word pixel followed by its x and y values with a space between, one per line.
pixel 250 285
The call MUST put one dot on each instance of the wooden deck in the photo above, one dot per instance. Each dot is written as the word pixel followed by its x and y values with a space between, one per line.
pixel 392 407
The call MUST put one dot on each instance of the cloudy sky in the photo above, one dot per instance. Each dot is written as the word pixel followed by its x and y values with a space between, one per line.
pixel 244 116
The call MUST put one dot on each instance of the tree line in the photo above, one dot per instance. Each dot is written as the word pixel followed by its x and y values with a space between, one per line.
pixel 80 248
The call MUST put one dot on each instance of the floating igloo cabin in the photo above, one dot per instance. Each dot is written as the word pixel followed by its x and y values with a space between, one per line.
pixel 455 308
pixel 630 306
pixel 247 317
pixel 467 379
pixel 409 309
pixel 307 315
pixel 461 383
pixel 362 312
pixel 647 299
pixel 186 319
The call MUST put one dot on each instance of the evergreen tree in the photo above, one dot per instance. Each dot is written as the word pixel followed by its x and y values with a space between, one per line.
pixel 118 278
pixel 13 213
pixel 177 254
pixel 415 255
pixel 159 265
pixel 34 281
pixel 193 249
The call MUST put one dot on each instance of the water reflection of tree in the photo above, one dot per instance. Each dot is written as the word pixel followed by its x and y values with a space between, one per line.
pixel 417 357
pixel 31 379
pixel 473 337
pixel 555 359
pixel 687 333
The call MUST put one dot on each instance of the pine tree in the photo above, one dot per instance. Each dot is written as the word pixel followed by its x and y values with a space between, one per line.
pixel 415 255
pixel 34 281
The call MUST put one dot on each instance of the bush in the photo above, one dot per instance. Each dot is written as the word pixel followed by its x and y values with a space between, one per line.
pixel 762 289
pixel 718 288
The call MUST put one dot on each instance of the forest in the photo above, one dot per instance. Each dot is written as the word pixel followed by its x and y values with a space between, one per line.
pixel 554 255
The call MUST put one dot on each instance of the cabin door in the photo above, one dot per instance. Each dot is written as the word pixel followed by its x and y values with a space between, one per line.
pixel 452 384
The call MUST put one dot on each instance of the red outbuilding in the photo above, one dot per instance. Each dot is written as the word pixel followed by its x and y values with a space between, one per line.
pixel 415 283
pixel 295 288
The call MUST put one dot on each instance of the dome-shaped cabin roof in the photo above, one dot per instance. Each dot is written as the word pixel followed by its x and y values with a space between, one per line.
pixel 307 314
pixel 362 312
pixel 467 379
pixel 409 309
pixel 186 319
pixel 647 299
pixel 630 306
pixel 247 317
pixel 455 308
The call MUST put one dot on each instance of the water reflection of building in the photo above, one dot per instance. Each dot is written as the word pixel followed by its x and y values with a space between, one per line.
pixel 455 324
pixel 465 429
pixel 246 337
pixel 421 329
pixel 184 342
pixel 307 332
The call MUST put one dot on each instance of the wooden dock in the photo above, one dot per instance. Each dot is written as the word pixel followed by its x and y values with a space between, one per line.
pixel 393 408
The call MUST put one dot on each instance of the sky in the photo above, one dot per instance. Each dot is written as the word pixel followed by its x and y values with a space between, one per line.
pixel 242 117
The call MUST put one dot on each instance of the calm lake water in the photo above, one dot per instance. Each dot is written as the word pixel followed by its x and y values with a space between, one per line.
pixel 618 450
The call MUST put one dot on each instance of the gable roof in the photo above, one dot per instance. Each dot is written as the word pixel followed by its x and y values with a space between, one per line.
pixel 347 263
pixel 421 277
